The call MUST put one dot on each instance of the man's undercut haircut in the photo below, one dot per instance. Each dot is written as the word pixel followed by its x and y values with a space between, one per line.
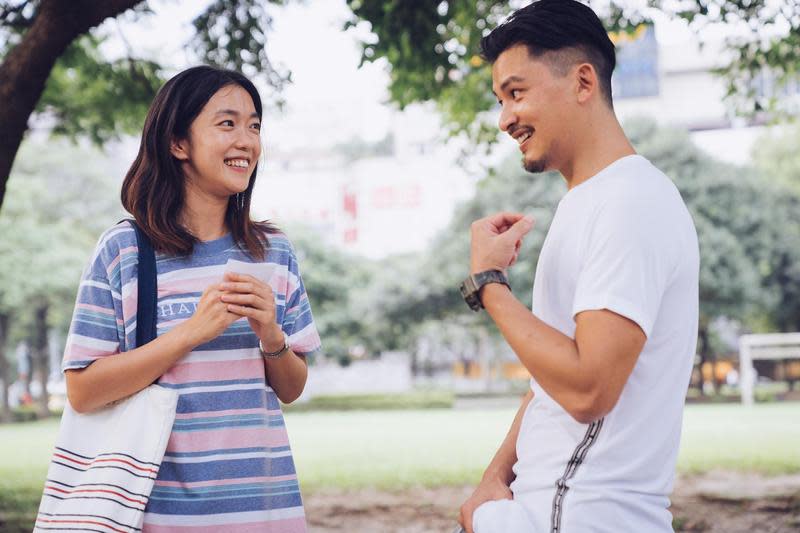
pixel 561 32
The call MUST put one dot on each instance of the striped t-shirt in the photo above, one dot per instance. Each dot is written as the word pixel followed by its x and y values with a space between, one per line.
pixel 228 465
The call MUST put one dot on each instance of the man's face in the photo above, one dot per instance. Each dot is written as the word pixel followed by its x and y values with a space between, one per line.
pixel 535 105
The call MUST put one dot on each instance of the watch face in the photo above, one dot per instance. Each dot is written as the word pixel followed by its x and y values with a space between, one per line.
pixel 464 291
pixel 470 284
pixel 470 293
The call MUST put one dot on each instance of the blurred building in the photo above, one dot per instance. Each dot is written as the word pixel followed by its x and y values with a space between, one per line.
pixel 675 84
pixel 372 199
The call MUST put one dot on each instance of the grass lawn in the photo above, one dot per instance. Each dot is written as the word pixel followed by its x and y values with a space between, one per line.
pixel 438 447
pixel 24 453
pixel 764 438
pixel 399 449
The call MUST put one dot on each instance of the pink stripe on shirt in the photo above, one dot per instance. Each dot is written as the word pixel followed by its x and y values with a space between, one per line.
pixel 285 525
pixel 227 438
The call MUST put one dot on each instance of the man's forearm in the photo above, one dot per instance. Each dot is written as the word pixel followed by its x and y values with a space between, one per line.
pixel 502 464
pixel 551 357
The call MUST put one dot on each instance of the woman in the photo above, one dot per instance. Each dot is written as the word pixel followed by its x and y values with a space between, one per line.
pixel 231 343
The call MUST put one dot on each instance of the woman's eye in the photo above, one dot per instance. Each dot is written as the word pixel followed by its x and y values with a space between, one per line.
pixel 515 93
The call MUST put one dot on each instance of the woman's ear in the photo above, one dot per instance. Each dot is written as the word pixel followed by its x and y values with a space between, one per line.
pixel 179 148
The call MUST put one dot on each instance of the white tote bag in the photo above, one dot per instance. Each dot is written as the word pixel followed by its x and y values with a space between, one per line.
pixel 105 463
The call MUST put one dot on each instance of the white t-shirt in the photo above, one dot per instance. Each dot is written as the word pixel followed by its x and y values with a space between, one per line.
pixel 624 241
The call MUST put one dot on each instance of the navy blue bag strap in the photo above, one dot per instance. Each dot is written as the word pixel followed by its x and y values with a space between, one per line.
pixel 146 280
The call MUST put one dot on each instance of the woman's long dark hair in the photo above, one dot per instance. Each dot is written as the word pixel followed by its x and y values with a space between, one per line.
pixel 153 190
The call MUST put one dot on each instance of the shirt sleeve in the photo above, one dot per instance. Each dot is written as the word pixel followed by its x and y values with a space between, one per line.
pixel 97 328
pixel 628 262
pixel 298 322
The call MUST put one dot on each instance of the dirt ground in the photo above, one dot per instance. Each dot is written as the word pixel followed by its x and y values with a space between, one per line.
pixel 719 502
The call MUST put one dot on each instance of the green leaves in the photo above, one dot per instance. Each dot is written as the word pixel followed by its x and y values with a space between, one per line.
pixel 430 46
pixel 778 158
pixel 89 96
pixel 334 281
pixel 233 35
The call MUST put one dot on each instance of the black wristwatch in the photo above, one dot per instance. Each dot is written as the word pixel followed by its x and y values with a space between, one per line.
pixel 471 287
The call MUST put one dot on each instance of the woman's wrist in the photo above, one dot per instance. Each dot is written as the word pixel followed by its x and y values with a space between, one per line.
pixel 273 340
pixel 186 336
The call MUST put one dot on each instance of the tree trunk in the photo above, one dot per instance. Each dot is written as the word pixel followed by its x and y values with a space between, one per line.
pixel 486 358
pixel 24 72
pixel 27 363
pixel 705 356
pixel 415 360
pixel 41 357
pixel 5 408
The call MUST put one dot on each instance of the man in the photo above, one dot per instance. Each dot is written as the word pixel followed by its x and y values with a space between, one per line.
pixel 611 339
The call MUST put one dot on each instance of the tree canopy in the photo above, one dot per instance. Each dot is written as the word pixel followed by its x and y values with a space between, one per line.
pixel 51 226
pixel 52 66
pixel 48 232
pixel 778 158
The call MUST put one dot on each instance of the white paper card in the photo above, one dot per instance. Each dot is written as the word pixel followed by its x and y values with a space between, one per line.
pixel 261 271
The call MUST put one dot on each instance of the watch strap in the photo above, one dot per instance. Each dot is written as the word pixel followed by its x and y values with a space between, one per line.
pixel 276 354
pixel 471 287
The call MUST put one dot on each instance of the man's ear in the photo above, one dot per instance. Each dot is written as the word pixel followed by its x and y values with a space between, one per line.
pixel 587 84
pixel 179 148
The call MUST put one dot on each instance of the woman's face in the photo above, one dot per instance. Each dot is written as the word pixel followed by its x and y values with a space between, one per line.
pixel 223 145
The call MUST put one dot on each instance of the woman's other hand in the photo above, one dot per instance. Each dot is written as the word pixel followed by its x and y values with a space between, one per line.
pixel 250 297
pixel 211 318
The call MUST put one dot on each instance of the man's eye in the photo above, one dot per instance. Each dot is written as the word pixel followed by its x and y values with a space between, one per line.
pixel 515 93
pixel 226 123
pixel 256 126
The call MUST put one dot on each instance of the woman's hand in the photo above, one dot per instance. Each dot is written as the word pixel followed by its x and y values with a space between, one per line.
pixel 211 318
pixel 249 297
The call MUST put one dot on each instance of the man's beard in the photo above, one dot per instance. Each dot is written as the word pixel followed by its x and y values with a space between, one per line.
pixel 536 166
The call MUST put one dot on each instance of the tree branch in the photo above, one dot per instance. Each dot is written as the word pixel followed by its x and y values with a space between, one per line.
pixel 15 17
pixel 24 72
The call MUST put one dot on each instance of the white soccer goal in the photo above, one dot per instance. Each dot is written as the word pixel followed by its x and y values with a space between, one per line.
pixel 773 346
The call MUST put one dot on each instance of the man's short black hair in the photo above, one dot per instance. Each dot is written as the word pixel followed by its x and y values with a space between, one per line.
pixel 555 26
